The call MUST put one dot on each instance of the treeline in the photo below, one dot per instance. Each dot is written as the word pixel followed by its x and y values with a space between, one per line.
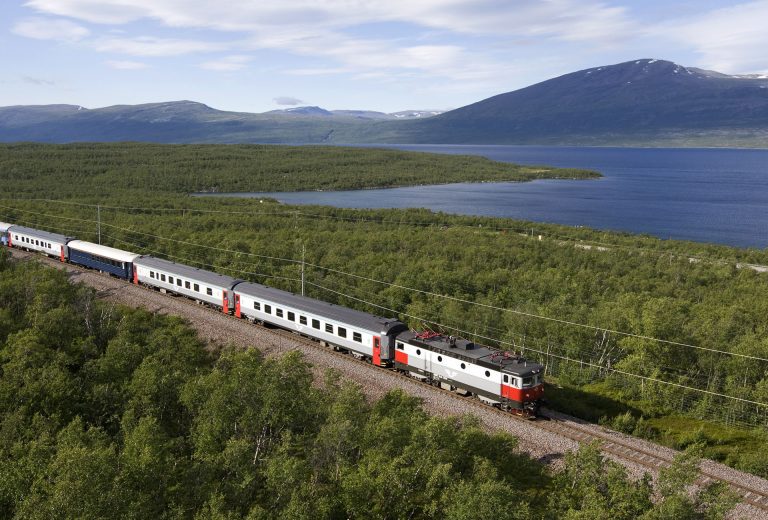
pixel 109 412
pixel 92 169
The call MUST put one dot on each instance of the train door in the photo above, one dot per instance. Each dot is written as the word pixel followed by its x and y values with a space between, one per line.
pixel 237 305
pixel 224 302
pixel 377 350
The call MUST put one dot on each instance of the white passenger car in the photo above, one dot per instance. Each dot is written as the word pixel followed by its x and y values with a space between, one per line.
pixel 365 335
pixel 51 244
pixel 204 286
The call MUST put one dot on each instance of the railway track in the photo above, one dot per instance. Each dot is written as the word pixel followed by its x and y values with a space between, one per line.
pixel 611 443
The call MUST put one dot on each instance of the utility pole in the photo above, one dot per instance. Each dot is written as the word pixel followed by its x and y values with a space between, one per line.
pixel 98 219
pixel 303 250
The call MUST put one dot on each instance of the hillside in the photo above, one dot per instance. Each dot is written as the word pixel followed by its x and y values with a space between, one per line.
pixel 643 101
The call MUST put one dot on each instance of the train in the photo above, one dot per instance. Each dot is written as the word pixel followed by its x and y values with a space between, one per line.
pixel 498 378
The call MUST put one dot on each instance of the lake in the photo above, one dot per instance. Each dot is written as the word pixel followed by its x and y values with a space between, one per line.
pixel 706 195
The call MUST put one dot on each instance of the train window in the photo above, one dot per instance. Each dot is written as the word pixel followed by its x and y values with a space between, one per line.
pixel 291 316
pixel 316 324
pixel 329 328
pixel 37 242
pixel 487 374
pixel 209 291
pixel 400 346
pixel 268 309
pixel 162 277
pixel 187 285
pixel 257 306
pixel 179 282
pixel 170 280
pixel 279 313
pixel 342 332
pixel 506 378
pixel 151 274
pixel 303 320
pixel 418 352
pixel 356 336
pixel 439 358
pixel 527 381
pixel 196 288
pixel 463 366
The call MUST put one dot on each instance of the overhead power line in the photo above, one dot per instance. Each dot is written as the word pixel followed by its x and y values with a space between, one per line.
pixel 416 290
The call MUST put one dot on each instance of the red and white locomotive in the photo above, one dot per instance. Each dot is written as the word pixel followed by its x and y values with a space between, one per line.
pixel 496 377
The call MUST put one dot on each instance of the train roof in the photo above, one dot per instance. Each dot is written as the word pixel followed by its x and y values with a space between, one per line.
pixel 45 235
pixel 466 350
pixel 103 251
pixel 193 273
pixel 4 227
pixel 352 317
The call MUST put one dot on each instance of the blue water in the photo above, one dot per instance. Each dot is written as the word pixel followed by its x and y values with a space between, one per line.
pixel 706 195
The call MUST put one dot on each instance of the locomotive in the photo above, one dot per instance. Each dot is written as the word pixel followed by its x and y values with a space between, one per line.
pixel 499 378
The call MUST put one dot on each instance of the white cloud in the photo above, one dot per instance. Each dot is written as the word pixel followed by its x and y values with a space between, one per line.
pixel 151 46
pixel 50 29
pixel 730 40
pixel 287 101
pixel 126 64
pixel 227 63
pixel 447 40
pixel 567 19
pixel 440 44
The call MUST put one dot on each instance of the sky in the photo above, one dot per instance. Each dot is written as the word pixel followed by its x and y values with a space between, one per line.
pixel 383 55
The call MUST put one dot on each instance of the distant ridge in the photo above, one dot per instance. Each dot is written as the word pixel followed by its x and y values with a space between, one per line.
pixel 640 102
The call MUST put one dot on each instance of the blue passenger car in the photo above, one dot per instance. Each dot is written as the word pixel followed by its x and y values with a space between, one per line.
pixel 106 259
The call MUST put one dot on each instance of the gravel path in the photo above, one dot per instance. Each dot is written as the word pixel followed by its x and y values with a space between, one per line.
pixel 220 330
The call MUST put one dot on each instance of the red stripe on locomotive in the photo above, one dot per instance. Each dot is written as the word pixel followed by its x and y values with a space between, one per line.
pixel 401 357
pixel 522 395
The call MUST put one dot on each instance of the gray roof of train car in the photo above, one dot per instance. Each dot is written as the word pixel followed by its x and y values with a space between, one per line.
pixel 186 271
pixel 338 313
pixel 54 237
pixel 479 354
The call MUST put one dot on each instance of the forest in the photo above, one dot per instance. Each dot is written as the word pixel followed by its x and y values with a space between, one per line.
pixel 82 170
pixel 662 339
pixel 112 412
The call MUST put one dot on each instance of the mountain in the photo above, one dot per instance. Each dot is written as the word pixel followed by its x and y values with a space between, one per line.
pixel 182 122
pixel 170 122
pixel 641 102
